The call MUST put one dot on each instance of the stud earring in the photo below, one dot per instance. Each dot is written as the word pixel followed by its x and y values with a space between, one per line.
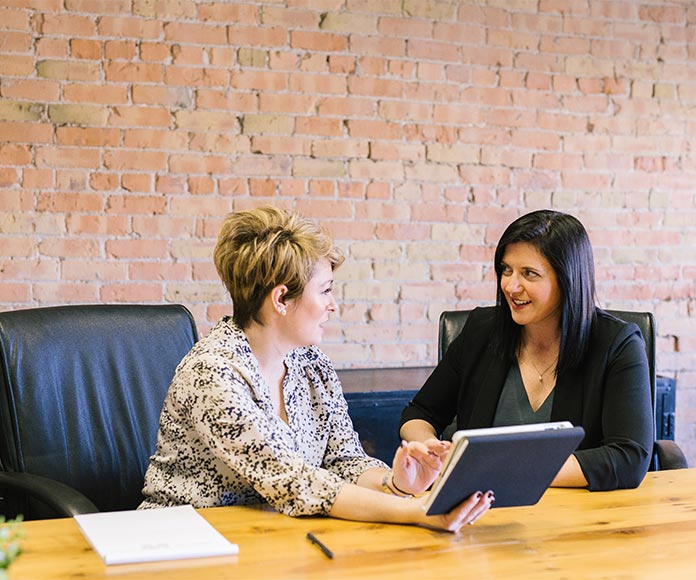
pixel 283 311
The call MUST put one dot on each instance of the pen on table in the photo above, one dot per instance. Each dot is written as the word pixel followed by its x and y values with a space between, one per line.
pixel 319 544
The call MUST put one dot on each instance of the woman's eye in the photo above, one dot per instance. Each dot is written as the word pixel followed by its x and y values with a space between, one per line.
pixel 531 274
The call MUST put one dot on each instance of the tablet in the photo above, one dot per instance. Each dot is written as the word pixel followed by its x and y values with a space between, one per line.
pixel 518 463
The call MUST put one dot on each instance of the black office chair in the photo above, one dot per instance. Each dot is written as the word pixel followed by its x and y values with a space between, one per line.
pixel 81 392
pixel 666 453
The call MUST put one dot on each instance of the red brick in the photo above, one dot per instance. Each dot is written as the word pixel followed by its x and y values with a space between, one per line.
pixel 92 270
pixel 103 181
pixel 138 182
pixel 341 64
pixel 155 51
pixel 123 50
pixel 263 81
pixel 195 33
pixel 37 178
pixel 68 202
pixel 91 225
pixel 131 293
pixel 41 90
pixel 200 206
pixel 56 48
pixel 193 76
pixel 320 41
pixel 136 248
pixel 68 24
pixel 124 27
pixel 662 13
pixel 155 139
pixel 201 185
pixel 155 95
pixel 223 99
pixel 133 72
pixel 163 226
pixel 346 107
pixel 67 157
pixel 301 104
pixel 93 93
pixel 159 271
pixel 314 83
pixel 11 19
pixel 123 159
pixel 46 293
pixel 170 184
pixel 124 116
pixel 14 292
pixel 319 126
pixel 82 48
pixel 272 36
pixel 15 42
pixel 195 163
pixel 88 137
pixel 228 12
pixel 314 63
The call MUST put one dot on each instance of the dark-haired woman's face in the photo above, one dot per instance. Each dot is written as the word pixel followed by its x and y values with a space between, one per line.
pixel 530 285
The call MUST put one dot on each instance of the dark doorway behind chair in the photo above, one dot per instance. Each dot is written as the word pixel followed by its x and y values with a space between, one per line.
pixel 81 392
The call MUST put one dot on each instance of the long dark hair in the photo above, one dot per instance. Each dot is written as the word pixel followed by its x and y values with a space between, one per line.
pixel 564 242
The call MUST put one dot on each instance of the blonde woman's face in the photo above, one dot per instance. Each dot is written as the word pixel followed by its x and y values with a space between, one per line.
pixel 307 314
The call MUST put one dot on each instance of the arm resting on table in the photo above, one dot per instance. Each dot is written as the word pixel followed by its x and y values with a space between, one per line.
pixel 62 498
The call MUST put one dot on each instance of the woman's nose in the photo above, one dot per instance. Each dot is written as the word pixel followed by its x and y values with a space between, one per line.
pixel 512 284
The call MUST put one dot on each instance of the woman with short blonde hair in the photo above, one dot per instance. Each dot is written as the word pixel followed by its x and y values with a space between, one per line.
pixel 255 412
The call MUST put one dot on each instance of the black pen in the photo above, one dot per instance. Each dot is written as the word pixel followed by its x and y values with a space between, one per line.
pixel 312 538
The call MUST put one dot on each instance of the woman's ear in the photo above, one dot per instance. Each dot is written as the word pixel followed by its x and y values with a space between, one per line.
pixel 278 299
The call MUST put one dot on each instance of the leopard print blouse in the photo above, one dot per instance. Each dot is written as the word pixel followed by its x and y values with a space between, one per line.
pixel 220 441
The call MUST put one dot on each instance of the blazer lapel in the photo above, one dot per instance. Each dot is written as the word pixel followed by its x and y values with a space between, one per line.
pixel 568 399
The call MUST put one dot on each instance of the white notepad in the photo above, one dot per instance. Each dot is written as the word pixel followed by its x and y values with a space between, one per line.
pixel 150 535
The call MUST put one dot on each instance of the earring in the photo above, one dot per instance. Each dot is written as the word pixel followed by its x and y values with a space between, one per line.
pixel 283 311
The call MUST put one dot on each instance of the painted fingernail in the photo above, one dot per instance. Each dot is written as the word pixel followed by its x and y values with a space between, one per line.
pixel 478 495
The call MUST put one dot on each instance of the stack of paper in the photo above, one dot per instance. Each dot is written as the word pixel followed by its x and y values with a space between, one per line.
pixel 171 533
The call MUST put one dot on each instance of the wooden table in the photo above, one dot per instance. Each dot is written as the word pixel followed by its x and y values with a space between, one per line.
pixel 649 532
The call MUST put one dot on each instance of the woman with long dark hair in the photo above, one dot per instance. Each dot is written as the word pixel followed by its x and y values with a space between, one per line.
pixel 546 352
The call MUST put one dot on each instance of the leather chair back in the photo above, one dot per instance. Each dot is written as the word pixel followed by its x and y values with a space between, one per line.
pixel 81 392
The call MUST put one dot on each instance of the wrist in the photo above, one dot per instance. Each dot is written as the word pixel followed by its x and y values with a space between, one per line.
pixel 388 486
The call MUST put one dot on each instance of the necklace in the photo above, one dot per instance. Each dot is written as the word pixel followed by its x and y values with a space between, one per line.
pixel 540 373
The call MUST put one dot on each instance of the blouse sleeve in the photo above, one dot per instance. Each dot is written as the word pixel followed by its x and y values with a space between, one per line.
pixel 344 455
pixel 627 421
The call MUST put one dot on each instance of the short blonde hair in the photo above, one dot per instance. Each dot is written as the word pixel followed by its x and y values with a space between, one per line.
pixel 262 248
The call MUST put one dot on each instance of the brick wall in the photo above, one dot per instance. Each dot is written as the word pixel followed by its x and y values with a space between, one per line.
pixel 416 130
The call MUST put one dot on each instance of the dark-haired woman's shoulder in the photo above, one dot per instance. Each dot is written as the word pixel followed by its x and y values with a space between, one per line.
pixel 608 325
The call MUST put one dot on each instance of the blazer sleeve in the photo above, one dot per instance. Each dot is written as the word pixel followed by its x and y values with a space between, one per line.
pixel 622 457
pixel 438 400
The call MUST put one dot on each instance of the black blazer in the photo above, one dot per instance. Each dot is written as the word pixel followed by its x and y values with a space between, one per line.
pixel 608 395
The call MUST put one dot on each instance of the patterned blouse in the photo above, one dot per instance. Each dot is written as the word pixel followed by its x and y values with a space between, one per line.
pixel 220 441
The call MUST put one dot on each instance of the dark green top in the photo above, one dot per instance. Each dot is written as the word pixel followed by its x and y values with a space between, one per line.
pixel 514 407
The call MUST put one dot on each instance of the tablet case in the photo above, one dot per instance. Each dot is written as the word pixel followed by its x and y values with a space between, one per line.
pixel 517 465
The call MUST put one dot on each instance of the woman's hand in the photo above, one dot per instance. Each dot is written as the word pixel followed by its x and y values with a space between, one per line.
pixel 417 464
pixel 467 512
